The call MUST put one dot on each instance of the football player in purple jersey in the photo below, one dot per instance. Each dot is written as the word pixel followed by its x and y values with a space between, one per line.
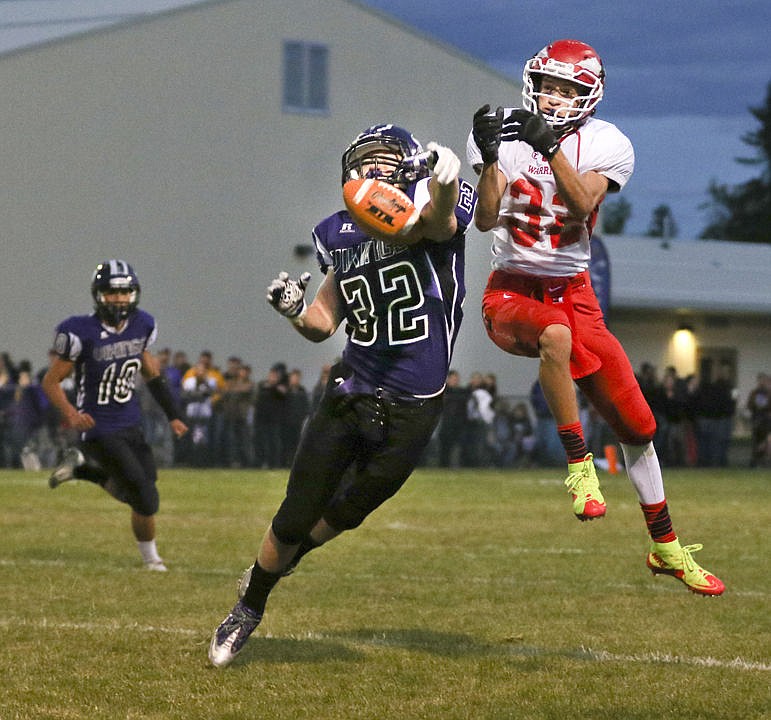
pixel 107 349
pixel 400 301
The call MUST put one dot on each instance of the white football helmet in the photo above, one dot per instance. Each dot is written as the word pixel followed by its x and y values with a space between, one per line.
pixel 566 60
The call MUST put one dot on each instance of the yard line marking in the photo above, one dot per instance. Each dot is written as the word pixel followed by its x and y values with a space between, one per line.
pixel 45 624
pixel 393 640
pixel 583 652
pixel 667 659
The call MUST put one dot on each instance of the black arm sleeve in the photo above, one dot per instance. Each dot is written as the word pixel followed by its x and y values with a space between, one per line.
pixel 159 389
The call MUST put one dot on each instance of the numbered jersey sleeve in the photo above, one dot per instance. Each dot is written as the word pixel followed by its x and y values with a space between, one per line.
pixel 403 304
pixel 106 367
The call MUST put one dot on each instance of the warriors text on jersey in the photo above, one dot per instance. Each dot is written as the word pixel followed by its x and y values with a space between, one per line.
pixel 106 367
pixel 403 304
pixel 536 235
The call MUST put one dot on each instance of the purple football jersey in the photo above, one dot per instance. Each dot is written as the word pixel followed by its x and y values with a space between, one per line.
pixel 106 367
pixel 403 304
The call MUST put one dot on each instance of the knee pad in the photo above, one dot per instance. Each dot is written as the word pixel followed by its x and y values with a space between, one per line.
pixel 345 517
pixel 285 532
pixel 147 502
pixel 292 529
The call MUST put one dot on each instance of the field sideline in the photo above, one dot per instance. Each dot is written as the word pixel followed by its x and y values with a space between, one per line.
pixel 472 595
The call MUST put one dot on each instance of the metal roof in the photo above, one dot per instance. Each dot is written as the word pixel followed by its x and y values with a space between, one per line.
pixel 27 23
pixel 702 275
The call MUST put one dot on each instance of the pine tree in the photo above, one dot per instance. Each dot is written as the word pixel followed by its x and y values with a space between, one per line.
pixel 614 215
pixel 743 213
pixel 662 224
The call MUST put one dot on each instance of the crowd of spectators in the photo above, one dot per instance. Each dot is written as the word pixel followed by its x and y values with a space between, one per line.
pixel 31 435
pixel 234 420
pixel 695 416
pixel 239 421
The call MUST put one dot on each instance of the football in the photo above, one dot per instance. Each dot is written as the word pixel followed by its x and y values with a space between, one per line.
pixel 379 207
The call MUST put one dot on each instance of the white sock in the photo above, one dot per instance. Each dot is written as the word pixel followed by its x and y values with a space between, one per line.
pixel 644 471
pixel 148 551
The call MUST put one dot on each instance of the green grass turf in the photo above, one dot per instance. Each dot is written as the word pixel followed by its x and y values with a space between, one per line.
pixel 470 595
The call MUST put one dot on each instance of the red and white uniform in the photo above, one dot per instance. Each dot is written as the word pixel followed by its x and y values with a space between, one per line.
pixel 540 271
pixel 536 235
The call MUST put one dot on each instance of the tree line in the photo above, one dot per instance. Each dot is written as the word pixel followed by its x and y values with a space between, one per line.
pixel 739 213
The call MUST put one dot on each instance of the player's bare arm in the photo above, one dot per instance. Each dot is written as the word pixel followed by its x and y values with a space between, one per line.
pixel 51 383
pixel 317 321
pixel 324 314
pixel 581 193
pixel 151 367
pixel 490 188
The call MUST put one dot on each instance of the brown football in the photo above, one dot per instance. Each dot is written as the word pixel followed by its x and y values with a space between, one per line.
pixel 377 206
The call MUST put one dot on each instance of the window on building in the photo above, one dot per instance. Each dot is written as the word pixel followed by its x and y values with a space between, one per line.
pixel 306 78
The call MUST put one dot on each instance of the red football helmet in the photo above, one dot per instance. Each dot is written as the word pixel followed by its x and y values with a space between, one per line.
pixel 566 60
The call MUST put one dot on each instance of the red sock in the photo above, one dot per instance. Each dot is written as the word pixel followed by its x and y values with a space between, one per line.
pixel 658 521
pixel 572 439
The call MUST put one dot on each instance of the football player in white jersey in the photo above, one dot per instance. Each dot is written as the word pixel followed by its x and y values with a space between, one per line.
pixel 543 171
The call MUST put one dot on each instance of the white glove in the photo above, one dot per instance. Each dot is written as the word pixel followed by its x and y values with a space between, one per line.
pixel 447 165
pixel 288 296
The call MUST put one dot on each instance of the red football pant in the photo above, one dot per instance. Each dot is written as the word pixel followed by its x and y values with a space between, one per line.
pixel 516 310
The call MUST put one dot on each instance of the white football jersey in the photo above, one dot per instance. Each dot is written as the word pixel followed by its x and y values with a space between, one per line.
pixel 535 234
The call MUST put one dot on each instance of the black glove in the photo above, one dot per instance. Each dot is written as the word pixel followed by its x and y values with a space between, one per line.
pixel 532 129
pixel 487 132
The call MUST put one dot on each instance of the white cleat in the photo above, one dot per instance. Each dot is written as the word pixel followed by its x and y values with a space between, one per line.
pixel 65 470
pixel 231 635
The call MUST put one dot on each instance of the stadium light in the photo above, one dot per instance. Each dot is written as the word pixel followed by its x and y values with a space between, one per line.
pixel 682 350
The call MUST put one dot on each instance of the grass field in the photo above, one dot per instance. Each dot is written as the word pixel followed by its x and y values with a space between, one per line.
pixel 471 595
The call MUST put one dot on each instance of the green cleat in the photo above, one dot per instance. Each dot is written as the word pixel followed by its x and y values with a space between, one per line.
pixel 672 559
pixel 584 488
